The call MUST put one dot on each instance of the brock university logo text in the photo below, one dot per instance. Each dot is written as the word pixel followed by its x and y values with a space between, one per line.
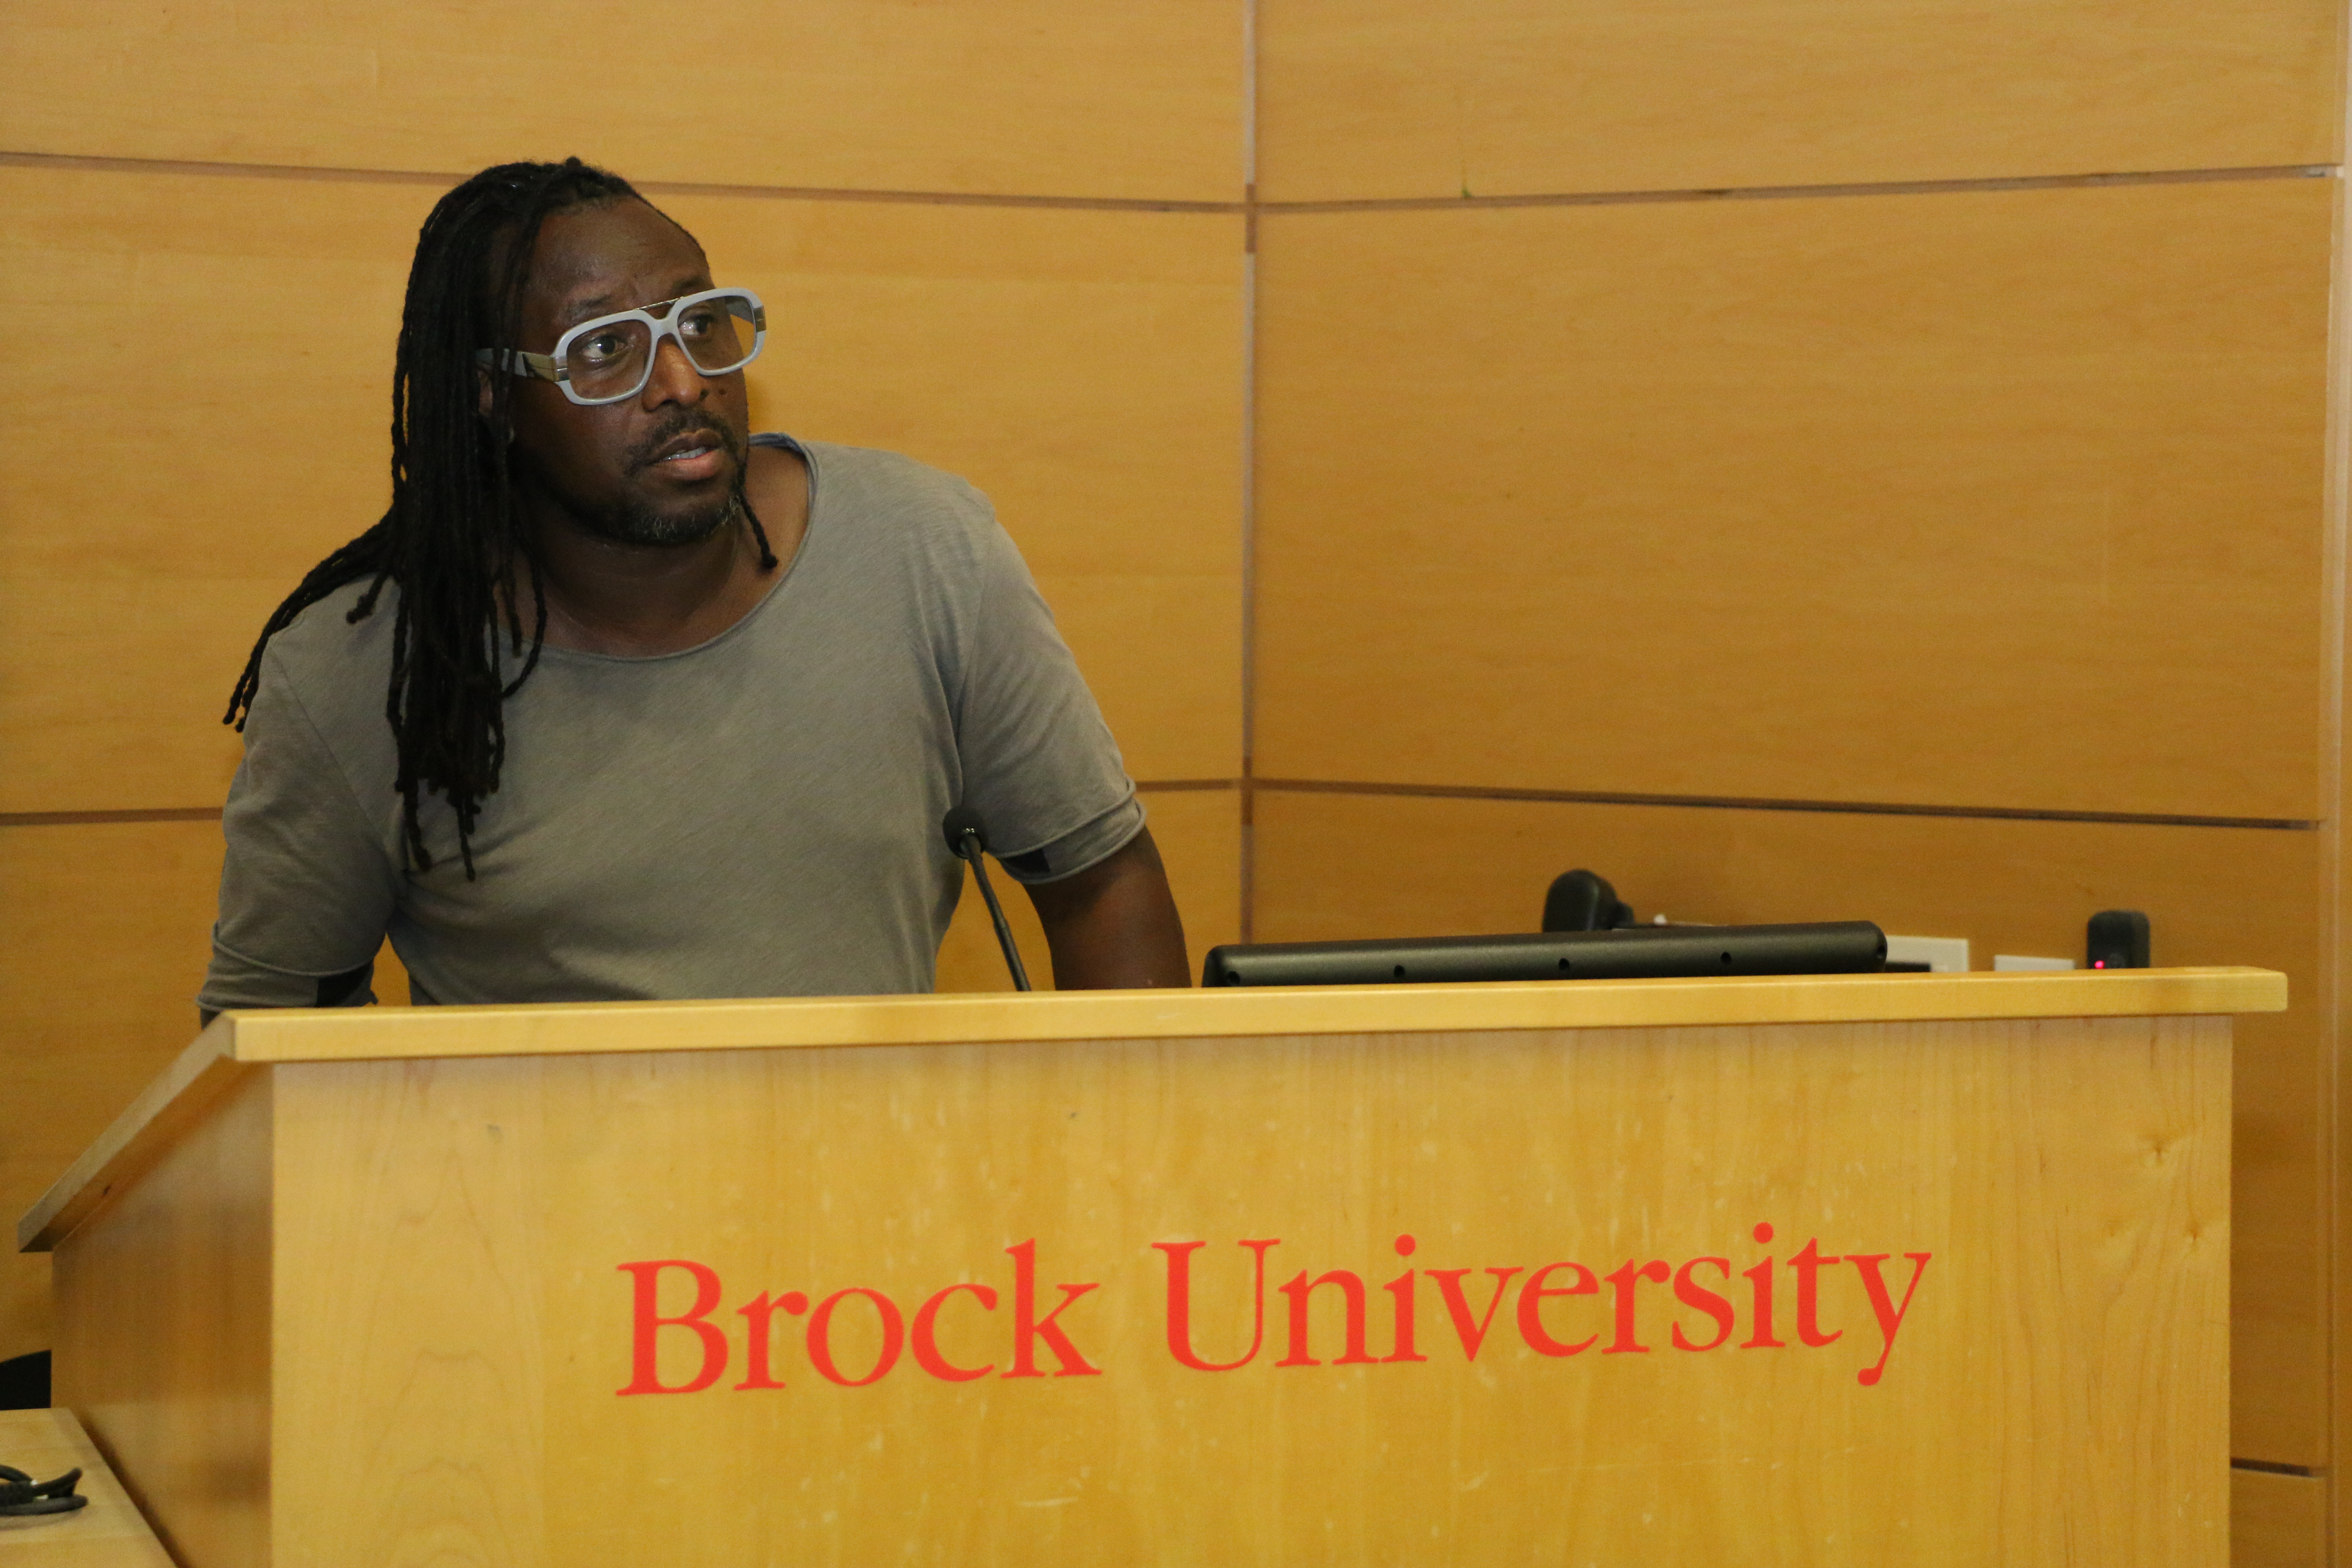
pixel 1801 1302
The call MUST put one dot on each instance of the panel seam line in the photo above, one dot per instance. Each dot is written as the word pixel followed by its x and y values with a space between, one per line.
pixel 1763 803
pixel 1791 192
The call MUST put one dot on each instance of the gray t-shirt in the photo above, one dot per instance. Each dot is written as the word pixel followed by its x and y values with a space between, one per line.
pixel 756 816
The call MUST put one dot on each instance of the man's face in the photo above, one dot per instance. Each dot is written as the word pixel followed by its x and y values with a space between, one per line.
pixel 665 466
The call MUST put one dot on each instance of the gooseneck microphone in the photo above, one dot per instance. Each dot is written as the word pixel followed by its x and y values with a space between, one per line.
pixel 968 840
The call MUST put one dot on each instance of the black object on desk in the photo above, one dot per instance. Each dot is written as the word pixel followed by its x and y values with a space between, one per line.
pixel 1836 947
pixel 2118 940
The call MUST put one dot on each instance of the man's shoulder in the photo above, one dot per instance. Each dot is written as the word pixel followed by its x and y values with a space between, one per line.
pixel 334 667
pixel 882 484
pixel 325 637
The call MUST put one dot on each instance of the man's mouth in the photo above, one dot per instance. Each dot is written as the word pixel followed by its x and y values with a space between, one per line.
pixel 690 453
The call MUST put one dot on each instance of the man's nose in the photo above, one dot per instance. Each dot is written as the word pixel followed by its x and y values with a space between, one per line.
pixel 674 377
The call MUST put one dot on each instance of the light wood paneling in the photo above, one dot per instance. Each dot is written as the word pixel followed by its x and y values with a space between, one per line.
pixel 232 1045
pixel 103 941
pixel 1070 98
pixel 165 1314
pixel 1381 98
pixel 1332 866
pixel 391 980
pixel 106 1533
pixel 2277 1522
pixel 1991 498
pixel 466 1350
pixel 1198 833
pixel 247 364
pixel 260 315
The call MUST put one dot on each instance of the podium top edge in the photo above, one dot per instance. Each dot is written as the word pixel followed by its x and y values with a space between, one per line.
pixel 238 1043
pixel 595 1028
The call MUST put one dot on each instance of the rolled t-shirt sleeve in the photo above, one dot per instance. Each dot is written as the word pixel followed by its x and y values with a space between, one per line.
pixel 307 886
pixel 1039 764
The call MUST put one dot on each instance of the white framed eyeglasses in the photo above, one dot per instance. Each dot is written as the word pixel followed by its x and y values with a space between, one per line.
pixel 612 357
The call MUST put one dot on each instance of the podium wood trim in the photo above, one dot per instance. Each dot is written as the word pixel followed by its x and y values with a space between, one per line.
pixel 236 1041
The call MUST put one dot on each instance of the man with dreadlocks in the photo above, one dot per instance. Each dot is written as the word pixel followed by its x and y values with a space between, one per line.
pixel 620 700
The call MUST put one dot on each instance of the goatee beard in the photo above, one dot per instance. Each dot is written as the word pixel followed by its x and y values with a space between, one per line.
pixel 643 525
pixel 634 523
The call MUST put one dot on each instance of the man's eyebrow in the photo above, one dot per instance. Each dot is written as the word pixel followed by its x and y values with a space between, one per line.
pixel 578 311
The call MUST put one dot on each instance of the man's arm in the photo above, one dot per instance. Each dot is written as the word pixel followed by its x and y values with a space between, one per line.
pixel 307 879
pixel 1114 925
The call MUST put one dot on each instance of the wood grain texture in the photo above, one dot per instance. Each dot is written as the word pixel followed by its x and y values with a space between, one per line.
pixel 1366 99
pixel 262 315
pixel 2277 1522
pixel 102 945
pixel 456 1209
pixel 1070 99
pixel 427 1034
pixel 597 1028
pixel 2212 896
pixel 106 1533
pixel 147 1131
pixel 2068 1177
pixel 1998 498
pixel 164 1315
pixel 1199 834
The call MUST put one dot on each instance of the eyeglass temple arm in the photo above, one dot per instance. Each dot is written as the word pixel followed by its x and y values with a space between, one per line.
pixel 520 362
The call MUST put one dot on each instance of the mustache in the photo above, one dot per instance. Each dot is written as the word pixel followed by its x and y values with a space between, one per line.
pixel 644 454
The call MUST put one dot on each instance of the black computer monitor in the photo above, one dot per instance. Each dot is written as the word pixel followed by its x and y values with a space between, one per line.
pixel 1834 947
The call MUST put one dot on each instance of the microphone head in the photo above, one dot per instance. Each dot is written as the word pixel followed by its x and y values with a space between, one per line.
pixel 959 823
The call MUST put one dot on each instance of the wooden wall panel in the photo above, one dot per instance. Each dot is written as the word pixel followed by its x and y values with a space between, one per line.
pixel 2277 1522
pixel 1981 499
pixel 1068 98
pixel 229 427
pixel 259 314
pixel 1361 99
pixel 104 934
pixel 1334 866
pixel 1198 833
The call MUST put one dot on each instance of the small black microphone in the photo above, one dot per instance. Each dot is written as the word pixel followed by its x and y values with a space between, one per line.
pixel 2118 940
pixel 1583 901
pixel 968 840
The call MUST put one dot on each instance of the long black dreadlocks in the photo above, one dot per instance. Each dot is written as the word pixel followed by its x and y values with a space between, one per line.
pixel 453 536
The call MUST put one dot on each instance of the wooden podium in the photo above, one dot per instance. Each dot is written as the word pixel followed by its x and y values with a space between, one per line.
pixel 1865 1270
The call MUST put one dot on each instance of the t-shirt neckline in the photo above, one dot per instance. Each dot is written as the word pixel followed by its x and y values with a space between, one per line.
pixel 773 438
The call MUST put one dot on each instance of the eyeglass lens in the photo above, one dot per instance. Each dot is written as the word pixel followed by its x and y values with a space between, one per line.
pixel 613 358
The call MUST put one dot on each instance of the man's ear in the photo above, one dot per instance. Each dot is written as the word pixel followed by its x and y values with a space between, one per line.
pixel 486 404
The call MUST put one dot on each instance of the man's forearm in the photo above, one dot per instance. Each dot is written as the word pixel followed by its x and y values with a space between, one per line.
pixel 1114 926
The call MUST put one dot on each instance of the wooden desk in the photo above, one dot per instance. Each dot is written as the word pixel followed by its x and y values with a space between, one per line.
pixel 109 1533
pixel 1862 1269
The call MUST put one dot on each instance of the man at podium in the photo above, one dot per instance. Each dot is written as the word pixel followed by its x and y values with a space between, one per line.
pixel 619 701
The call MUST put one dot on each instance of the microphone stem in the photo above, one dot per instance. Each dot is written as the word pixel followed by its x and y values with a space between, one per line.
pixel 996 913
